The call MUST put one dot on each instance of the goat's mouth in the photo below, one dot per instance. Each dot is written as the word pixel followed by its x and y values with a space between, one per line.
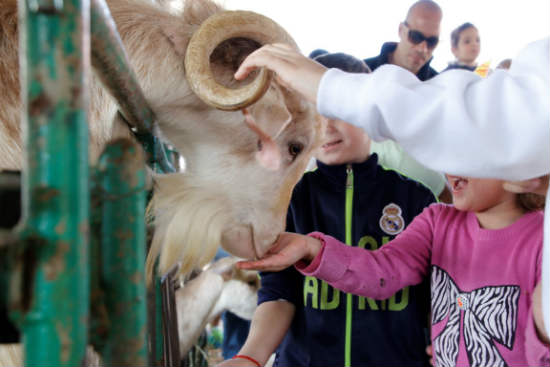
pixel 248 242
pixel 262 246
pixel 239 241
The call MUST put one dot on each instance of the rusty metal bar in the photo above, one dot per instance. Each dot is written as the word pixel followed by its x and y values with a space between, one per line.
pixel 109 58
pixel 52 261
pixel 121 172
pixel 155 319
pixel 168 286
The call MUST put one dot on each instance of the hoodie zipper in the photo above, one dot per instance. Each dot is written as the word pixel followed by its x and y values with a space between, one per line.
pixel 349 297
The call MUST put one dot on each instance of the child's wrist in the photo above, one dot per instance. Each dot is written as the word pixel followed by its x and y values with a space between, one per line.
pixel 314 243
pixel 248 358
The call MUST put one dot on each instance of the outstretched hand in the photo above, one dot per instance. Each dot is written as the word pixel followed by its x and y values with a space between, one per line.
pixel 289 249
pixel 292 69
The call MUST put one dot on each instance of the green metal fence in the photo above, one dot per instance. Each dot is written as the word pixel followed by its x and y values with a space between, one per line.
pixel 77 245
pixel 54 272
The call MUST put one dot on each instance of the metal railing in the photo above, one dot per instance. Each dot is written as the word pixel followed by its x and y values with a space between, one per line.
pixel 82 233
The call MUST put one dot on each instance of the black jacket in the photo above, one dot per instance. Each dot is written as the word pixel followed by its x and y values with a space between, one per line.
pixel 457 65
pixel 331 327
pixel 426 71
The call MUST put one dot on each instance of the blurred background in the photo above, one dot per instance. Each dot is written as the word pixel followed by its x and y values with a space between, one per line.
pixel 359 27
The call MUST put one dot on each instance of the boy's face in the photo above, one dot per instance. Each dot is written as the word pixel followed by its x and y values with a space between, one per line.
pixel 343 143
pixel 468 47
pixel 478 194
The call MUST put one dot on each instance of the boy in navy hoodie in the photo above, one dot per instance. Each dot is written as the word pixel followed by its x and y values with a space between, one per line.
pixel 352 198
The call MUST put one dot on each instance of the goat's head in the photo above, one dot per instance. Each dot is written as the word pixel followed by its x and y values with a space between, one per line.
pixel 241 166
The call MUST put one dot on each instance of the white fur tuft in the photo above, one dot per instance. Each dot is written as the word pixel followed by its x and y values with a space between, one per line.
pixel 183 210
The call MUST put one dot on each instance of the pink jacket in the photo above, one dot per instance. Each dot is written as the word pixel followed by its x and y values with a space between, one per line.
pixel 481 280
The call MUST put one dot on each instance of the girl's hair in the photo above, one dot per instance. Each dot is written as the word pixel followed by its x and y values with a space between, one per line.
pixel 455 35
pixel 530 202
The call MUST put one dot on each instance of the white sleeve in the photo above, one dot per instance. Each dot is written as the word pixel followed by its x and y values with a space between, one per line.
pixel 457 122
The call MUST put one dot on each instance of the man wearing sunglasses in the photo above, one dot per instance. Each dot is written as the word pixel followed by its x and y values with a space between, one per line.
pixel 419 35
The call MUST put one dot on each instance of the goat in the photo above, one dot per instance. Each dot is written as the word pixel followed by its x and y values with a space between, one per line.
pixel 233 191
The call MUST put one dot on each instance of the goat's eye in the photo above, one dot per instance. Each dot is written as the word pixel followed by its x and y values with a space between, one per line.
pixel 294 149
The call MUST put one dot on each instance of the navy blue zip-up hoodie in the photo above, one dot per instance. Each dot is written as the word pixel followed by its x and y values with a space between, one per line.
pixel 327 326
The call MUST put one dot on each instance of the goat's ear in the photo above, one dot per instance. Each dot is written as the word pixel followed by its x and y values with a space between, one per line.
pixel 268 154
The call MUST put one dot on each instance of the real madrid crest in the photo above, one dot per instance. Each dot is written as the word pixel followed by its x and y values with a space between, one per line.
pixel 391 221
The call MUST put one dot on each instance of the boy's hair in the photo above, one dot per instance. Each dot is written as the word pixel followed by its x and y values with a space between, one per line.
pixel 455 34
pixel 343 62
pixel 530 202
pixel 317 52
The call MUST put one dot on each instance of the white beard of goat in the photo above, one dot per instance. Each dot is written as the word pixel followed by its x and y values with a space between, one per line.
pixel 227 195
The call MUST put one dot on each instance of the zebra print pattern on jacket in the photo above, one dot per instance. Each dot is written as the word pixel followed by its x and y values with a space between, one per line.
pixel 490 314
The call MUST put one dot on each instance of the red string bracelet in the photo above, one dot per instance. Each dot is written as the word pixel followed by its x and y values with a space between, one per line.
pixel 249 358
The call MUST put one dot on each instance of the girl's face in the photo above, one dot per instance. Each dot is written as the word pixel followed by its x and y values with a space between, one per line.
pixel 479 194
pixel 343 143
pixel 468 46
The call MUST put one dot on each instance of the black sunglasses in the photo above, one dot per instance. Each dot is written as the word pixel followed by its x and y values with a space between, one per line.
pixel 417 37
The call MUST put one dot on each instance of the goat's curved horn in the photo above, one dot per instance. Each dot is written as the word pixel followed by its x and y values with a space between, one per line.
pixel 213 31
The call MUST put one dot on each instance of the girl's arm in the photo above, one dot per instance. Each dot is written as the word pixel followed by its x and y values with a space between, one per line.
pixel 376 274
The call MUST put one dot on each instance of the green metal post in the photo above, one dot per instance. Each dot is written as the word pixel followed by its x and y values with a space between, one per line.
pixel 54 300
pixel 54 59
pixel 122 176
pixel 111 62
